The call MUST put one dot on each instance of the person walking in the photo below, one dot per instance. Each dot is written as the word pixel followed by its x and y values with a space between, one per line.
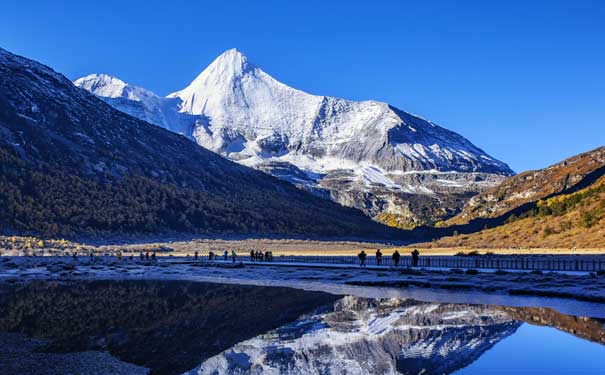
pixel 396 257
pixel 196 255
pixel 378 257
pixel 252 255
pixel 362 258
pixel 415 257
pixel 153 257
pixel 142 256
pixel 233 256
pixel 225 255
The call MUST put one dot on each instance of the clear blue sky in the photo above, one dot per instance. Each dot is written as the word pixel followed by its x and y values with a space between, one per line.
pixel 524 80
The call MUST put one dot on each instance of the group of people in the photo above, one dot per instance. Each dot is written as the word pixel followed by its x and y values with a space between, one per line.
pixel 396 257
pixel 259 256
pixel 215 256
pixel 146 256
pixel 120 256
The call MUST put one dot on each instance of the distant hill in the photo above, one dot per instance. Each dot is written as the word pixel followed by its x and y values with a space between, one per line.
pixel 72 165
pixel 567 176
pixel 564 221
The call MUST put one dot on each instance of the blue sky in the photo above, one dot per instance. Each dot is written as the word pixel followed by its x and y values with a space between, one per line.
pixel 524 80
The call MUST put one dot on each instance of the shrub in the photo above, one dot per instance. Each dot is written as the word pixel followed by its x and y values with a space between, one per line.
pixel 565 226
pixel 587 219
pixel 512 218
pixel 547 231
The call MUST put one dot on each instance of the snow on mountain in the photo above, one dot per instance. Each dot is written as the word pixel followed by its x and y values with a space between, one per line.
pixel 361 336
pixel 353 149
pixel 251 114
pixel 138 102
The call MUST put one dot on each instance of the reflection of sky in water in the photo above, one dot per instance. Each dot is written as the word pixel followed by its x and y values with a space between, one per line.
pixel 365 336
pixel 540 350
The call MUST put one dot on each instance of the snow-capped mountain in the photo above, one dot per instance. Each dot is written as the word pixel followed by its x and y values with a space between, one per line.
pixel 362 154
pixel 88 169
pixel 361 336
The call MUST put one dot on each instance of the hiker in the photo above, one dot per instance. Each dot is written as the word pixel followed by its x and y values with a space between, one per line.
pixel 259 256
pixel 415 255
pixel 362 258
pixel 252 255
pixel 225 255
pixel 270 256
pixel 396 257
pixel 131 256
pixel 195 255
pixel 267 256
pixel 91 255
pixel 210 255
pixel 142 256
pixel 233 256
pixel 147 255
pixel 119 256
pixel 153 259
pixel 378 257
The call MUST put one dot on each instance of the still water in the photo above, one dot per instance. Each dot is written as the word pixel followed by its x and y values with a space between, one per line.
pixel 174 327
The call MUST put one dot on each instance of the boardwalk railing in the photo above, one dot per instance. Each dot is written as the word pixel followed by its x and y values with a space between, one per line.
pixel 587 263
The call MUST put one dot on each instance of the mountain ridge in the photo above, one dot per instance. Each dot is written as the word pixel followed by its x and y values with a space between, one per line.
pixel 360 154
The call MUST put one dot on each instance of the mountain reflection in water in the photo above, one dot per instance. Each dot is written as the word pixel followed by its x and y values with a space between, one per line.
pixel 172 326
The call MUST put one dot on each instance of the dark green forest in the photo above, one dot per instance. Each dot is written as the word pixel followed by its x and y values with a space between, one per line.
pixel 50 202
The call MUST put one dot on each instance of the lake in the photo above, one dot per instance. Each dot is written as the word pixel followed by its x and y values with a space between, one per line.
pixel 174 327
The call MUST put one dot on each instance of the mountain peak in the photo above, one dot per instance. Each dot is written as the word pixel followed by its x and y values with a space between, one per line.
pixel 102 85
pixel 228 65
pixel 231 58
pixel 220 77
pixel 107 86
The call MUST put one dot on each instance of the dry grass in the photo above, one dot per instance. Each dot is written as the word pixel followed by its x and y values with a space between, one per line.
pixel 554 233
pixel 16 245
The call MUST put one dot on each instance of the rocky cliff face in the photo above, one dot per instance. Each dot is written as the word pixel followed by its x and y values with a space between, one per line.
pixel 367 155
pixel 361 336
